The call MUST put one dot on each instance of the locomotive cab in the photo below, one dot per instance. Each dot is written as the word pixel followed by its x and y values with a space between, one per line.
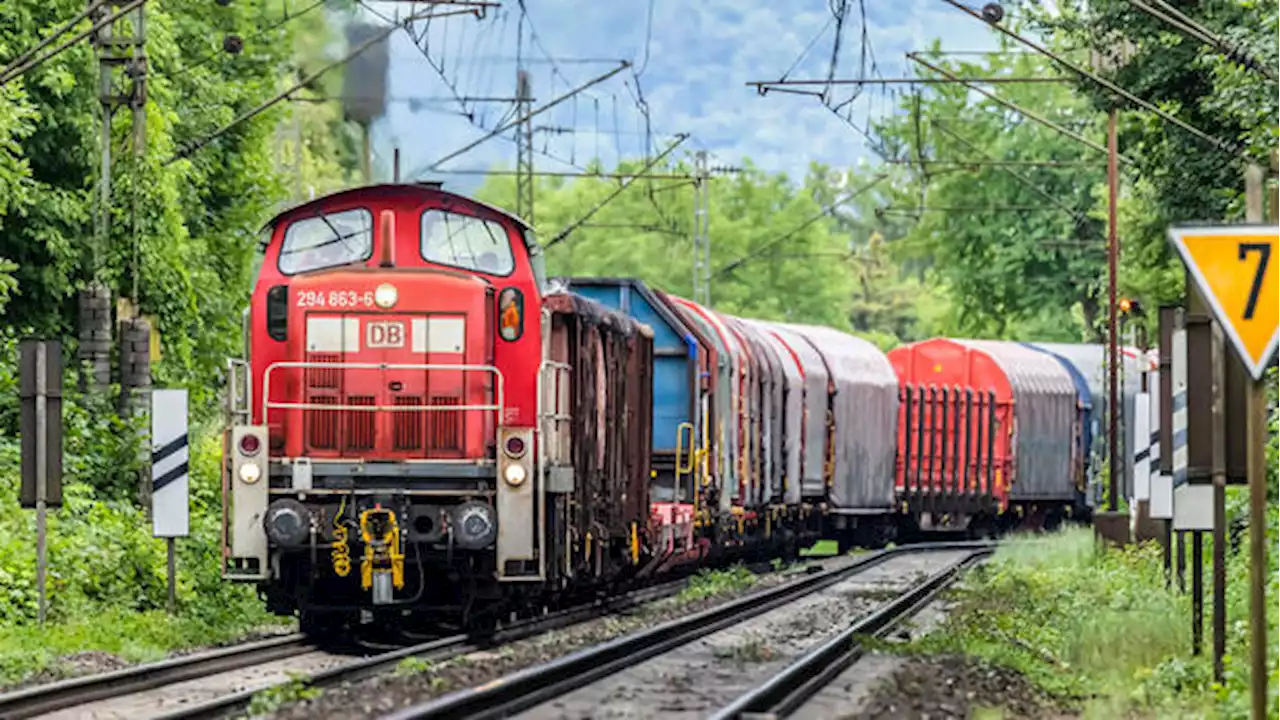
pixel 383 425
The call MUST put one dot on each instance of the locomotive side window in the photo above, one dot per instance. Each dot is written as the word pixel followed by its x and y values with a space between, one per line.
pixel 537 259
pixel 327 241
pixel 467 242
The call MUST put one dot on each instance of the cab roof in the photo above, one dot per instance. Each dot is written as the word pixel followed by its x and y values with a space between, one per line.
pixel 422 189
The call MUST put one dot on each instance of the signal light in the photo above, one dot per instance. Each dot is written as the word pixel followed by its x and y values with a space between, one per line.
pixel 510 314
pixel 1130 307
pixel 249 445
pixel 515 447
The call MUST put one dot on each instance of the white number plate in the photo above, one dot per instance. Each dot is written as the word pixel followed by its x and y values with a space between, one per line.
pixel 384 334
pixel 335 299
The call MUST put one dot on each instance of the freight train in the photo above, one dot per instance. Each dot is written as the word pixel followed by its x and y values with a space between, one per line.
pixel 429 429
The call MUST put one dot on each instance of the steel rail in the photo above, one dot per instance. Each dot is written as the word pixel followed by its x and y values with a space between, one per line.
pixel 47 698
pixel 785 692
pixel 539 684
pixel 435 650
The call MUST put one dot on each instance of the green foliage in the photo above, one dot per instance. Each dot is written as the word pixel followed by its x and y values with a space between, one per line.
pixel 275 697
pixel 189 226
pixel 1013 248
pixel 413 665
pixel 822 547
pixel 714 582
pixel 1100 626
pixel 103 563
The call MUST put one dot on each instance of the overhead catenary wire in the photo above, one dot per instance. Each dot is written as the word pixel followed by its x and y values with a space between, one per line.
pixel 189 148
pixel 24 68
pixel 1216 142
pixel 439 68
pixel 512 123
pixel 257 34
pixel 1030 115
pixel 86 12
pixel 1081 219
pixel 825 212
pixel 1177 19
pixel 560 236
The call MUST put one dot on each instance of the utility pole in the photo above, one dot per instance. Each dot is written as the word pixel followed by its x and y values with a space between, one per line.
pixel 524 148
pixel 1113 348
pixel 122 82
pixel 701 233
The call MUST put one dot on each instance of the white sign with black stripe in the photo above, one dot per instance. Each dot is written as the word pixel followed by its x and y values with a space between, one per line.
pixel 1192 502
pixel 170 456
pixel 1161 483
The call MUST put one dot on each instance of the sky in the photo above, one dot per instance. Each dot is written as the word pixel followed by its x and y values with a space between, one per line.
pixel 691 62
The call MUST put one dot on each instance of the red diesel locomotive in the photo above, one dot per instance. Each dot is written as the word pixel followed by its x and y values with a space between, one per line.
pixel 401 358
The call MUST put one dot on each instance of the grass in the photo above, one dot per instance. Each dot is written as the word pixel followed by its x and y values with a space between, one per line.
pixel 822 547
pixel 714 582
pixel 1099 628
pixel 132 636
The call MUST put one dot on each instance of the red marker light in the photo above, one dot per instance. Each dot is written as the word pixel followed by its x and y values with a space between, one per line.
pixel 515 447
pixel 249 445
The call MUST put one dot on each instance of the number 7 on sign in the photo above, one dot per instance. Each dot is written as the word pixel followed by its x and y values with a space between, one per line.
pixel 1264 259
pixel 1232 267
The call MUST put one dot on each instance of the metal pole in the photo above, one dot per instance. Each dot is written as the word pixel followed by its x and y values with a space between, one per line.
pixel 1219 507
pixel 524 148
pixel 1113 350
pixel 1182 560
pixel 395 166
pixel 42 475
pixel 1253 205
pixel 1256 433
pixel 173 575
pixel 1255 442
pixel 1197 591
pixel 701 243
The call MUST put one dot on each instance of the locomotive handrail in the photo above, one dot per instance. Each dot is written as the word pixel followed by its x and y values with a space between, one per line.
pixel 268 404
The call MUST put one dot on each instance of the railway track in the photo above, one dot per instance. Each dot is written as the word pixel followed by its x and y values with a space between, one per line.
pixel 49 698
pixel 221 682
pixel 786 692
pixel 532 691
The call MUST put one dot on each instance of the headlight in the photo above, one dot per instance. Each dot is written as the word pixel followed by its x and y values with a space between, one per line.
pixel 514 475
pixel 385 296
pixel 250 473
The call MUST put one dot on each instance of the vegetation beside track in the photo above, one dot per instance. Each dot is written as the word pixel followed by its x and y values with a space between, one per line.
pixel 107 577
pixel 1099 629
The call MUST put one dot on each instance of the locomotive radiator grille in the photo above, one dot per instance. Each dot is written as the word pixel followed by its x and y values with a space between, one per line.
pixel 444 427
pixel 323 378
pixel 362 425
pixel 352 409
pixel 407 426
pixel 322 425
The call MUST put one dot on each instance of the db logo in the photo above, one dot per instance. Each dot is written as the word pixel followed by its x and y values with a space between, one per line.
pixel 384 334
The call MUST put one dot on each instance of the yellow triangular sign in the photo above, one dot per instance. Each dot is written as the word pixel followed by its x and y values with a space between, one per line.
pixel 1236 268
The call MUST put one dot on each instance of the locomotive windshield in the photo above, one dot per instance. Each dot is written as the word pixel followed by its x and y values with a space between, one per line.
pixel 467 242
pixel 327 241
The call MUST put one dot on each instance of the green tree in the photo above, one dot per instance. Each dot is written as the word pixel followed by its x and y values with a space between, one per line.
pixel 769 260
pixel 1016 249
pixel 1174 176
pixel 188 226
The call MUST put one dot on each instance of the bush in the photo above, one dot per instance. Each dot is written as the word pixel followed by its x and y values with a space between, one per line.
pixel 1101 627
pixel 107 576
